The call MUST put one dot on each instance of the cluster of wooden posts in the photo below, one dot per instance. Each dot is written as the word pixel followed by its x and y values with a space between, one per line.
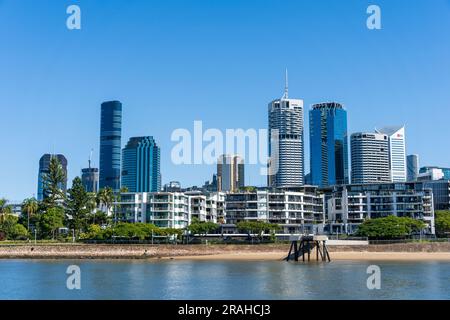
pixel 306 246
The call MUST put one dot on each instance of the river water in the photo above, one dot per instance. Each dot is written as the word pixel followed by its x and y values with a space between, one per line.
pixel 179 279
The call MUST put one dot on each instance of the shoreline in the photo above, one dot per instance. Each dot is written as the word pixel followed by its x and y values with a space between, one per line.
pixel 216 252
pixel 335 256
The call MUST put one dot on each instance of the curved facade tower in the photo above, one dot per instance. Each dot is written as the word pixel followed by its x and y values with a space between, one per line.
pixel 110 145
pixel 328 144
pixel 286 150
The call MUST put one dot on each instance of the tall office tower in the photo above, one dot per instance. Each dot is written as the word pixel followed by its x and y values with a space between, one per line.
pixel 141 170
pixel 110 144
pixel 44 164
pixel 370 158
pixel 230 173
pixel 286 142
pixel 397 151
pixel 413 167
pixel 89 177
pixel 328 144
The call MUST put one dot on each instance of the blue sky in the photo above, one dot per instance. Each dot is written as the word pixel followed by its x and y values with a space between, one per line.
pixel 172 62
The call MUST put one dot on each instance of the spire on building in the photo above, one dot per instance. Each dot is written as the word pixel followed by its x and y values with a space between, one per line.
pixel 286 86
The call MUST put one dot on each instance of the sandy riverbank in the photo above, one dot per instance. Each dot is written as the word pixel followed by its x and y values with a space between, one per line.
pixel 410 251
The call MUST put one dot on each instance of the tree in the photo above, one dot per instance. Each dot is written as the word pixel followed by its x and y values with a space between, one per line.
pixel 201 228
pixel 30 206
pixel 258 227
pixel 117 200
pixel 77 206
pixel 50 221
pixel 99 218
pixel 53 181
pixel 19 232
pixel 106 197
pixel 442 222
pixel 10 227
pixel 390 227
pixel 4 207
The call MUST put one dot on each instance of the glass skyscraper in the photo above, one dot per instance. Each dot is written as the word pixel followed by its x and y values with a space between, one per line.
pixel 328 144
pixel 44 164
pixel 110 145
pixel 89 178
pixel 141 165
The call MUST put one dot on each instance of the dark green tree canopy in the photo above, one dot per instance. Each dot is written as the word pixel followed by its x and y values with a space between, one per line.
pixel 390 227
pixel 77 206
pixel 53 181
pixel 442 223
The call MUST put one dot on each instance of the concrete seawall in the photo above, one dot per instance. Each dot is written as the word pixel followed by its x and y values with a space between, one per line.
pixel 98 251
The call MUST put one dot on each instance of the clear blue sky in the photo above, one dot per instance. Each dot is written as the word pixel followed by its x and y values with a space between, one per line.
pixel 172 62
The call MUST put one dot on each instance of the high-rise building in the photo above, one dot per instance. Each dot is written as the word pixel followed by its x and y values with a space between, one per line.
pixel 110 144
pixel 44 164
pixel 286 150
pixel 370 158
pixel 413 167
pixel 89 177
pixel 397 151
pixel 141 165
pixel 328 144
pixel 230 173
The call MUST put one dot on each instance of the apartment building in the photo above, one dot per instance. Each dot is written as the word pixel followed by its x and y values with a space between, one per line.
pixel 296 210
pixel 349 205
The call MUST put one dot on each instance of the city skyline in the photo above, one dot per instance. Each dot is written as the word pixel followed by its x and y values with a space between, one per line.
pixel 393 88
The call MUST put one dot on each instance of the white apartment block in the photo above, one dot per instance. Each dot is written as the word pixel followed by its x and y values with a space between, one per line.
pixel 298 210
pixel 171 209
pixel 163 209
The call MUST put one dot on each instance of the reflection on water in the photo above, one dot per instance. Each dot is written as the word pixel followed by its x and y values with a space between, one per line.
pixel 137 279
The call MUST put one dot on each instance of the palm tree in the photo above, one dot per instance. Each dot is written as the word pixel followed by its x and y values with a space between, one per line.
pixel 5 208
pixel 30 206
pixel 118 199
pixel 92 203
pixel 106 197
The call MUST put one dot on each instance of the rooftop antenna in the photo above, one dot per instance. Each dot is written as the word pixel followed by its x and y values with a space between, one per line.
pixel 90 157
pixel 286 86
